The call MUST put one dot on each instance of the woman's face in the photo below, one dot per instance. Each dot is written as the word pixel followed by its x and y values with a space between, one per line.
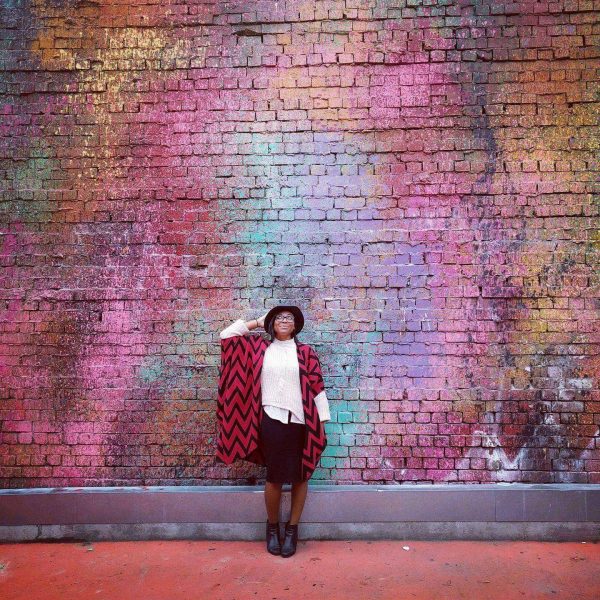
pixel 283 325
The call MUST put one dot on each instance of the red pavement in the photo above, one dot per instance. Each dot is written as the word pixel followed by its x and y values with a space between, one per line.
pixel 327 570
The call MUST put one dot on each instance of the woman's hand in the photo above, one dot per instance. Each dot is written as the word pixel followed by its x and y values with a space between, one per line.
pixel 261 320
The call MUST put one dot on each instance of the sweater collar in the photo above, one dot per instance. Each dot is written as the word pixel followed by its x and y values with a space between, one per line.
pixel 290 342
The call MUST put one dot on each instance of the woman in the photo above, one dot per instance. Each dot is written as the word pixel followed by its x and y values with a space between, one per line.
pixel 271 409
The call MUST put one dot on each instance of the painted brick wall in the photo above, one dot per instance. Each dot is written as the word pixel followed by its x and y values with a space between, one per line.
pixel 417 176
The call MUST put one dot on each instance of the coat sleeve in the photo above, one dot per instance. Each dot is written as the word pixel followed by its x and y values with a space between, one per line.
pixel 318 386
pixel 234 397
pixel 315 375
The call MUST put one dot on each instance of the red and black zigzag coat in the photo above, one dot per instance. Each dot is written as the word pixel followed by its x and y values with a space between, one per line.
pixel 239 401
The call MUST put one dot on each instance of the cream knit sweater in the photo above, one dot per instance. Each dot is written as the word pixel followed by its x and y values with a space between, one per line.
pixel 280 379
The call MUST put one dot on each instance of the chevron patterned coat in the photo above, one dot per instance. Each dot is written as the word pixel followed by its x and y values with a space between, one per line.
pixel 239 401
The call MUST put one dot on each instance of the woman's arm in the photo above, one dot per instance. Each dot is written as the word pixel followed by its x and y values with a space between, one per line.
pixel 322 407
pixel 241 327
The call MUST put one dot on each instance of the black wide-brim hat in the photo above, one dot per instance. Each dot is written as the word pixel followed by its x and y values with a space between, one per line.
pixel 298 316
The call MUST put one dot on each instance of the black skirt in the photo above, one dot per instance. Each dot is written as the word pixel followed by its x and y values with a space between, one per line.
pixel 283 445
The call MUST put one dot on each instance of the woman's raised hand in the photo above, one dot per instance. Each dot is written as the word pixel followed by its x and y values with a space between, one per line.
pixel 261 320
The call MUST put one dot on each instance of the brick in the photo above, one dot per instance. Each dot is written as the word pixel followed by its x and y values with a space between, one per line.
pixel 438 230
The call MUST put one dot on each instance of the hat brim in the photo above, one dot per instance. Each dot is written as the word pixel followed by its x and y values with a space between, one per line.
pixel 298 316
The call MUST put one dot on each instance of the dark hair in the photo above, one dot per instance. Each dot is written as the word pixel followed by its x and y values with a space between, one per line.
pixel 271 328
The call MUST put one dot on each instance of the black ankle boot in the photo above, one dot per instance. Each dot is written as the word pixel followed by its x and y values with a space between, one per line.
pixel 273 543
pixel 291 538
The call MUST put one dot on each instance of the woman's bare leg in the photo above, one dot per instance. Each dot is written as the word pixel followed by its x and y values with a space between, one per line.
pixel 272 500
pixel 299 491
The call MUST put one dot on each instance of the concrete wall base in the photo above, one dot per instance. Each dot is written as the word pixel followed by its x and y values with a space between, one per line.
pixel 553 512
pixel 551 532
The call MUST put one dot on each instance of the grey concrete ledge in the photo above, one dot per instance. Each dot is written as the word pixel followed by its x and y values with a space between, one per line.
pixel 475 512
pixel 435 531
